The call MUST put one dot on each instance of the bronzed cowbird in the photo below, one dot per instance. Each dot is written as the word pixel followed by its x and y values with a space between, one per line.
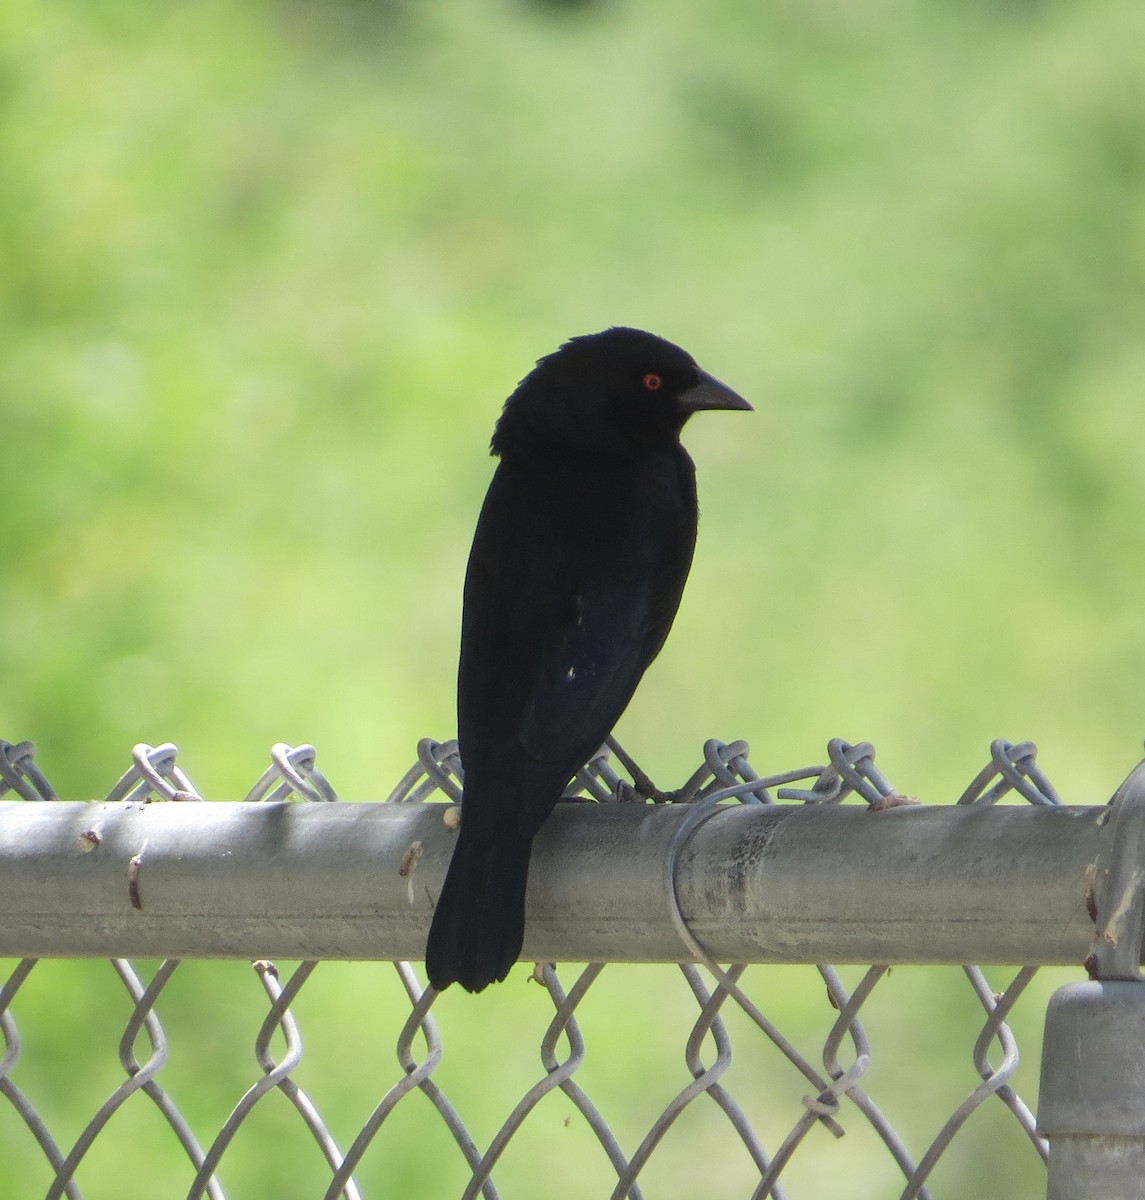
pixel 578 563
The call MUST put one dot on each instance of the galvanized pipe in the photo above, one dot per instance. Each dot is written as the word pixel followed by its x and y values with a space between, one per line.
pixel 757 883
pixel 1092 1093
pixel 1092 1096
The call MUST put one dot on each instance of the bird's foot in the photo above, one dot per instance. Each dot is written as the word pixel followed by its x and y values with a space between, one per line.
pixel 643 790
pixel 887 802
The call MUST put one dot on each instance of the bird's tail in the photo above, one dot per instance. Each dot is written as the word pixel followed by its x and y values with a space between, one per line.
pixel 479 922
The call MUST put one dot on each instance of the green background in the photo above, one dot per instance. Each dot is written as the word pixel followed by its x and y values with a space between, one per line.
pixel 267 272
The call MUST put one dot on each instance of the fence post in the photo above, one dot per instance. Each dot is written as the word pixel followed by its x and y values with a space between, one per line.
pixel 1092 1103
pixel 1092 1099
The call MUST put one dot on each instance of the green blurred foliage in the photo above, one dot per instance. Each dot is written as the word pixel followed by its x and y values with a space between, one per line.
pixel 267 271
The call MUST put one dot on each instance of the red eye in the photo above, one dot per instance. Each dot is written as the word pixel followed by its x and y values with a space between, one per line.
pixel 652 382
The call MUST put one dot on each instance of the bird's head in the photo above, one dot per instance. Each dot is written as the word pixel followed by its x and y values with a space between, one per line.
pixel 614 392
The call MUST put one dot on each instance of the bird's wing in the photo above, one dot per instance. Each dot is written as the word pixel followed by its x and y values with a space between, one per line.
pixel 588 669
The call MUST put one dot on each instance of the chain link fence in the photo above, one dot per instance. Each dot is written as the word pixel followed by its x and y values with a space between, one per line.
pixel 736 868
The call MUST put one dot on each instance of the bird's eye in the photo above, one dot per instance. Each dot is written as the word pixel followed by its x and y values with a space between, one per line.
pixel 652 382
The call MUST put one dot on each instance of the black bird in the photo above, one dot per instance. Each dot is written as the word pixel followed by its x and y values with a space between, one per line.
pixel 578 564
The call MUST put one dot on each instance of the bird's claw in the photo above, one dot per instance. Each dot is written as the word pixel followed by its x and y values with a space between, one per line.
pixel 643 790
pixel 892 801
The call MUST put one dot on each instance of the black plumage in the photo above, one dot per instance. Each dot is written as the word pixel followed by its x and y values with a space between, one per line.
pixel 578 563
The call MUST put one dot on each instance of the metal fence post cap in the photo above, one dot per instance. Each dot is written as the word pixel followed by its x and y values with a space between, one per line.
pixel 1093 1061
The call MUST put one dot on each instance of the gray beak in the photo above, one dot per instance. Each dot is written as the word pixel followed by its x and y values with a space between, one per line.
pixel 709 393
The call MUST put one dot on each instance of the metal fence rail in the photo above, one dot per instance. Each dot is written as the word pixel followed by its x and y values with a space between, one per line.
pixel 741 869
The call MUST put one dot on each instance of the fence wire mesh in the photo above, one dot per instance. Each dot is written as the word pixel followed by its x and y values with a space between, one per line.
pixel 721 1131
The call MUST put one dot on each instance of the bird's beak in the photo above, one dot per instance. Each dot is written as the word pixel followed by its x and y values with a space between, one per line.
pixel 710 393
